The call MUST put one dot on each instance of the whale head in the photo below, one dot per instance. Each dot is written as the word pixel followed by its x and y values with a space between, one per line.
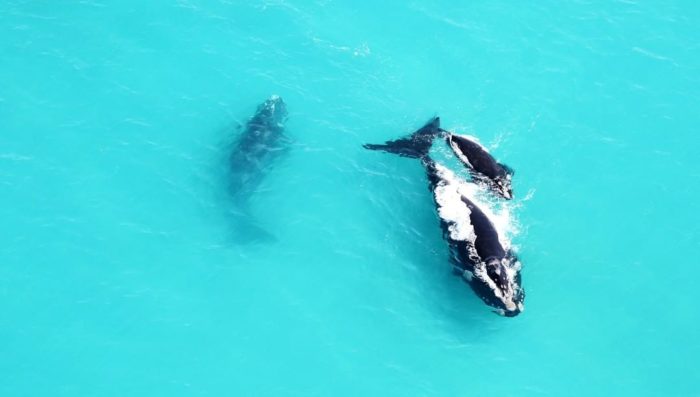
pixel 272 112
pixel 504 186
pixel 497 283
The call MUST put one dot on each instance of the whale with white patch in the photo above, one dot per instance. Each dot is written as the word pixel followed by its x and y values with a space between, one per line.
pixel 480 251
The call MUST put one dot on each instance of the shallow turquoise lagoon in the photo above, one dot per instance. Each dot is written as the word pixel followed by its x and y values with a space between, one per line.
pixel 118 274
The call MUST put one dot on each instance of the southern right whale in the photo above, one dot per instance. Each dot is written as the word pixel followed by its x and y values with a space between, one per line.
pixel 258 146
pixel 483 167
pixel 478 249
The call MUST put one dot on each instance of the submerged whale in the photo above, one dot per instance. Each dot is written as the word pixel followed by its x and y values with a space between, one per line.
pixel 479 251
pixel 255 150
pixel 483 167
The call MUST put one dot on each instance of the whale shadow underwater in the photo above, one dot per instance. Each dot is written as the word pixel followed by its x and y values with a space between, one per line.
pixel 252 155
pixel 478 249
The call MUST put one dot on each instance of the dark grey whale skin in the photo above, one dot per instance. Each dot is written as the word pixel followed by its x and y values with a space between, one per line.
pixel 256 149
pixel 251 157
pixel 487 246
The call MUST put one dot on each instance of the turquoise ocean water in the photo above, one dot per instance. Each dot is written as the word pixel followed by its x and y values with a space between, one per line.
pixel 118 276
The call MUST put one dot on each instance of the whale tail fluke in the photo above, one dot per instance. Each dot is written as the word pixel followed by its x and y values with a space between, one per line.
pixel 416 145
pixel 246 230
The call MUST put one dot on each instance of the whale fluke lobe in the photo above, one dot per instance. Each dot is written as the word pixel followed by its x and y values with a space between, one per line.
pixel 416 145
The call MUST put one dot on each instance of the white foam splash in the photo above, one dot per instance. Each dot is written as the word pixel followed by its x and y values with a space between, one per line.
pixel 451 208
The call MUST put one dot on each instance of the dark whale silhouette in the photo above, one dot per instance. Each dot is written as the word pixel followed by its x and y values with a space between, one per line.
pixel 478 253
pixel 484 168
pixel 255 150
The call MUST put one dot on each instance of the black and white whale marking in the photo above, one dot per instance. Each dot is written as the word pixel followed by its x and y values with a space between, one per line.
pixel 479 251
pixel 483 167
pixel 252 154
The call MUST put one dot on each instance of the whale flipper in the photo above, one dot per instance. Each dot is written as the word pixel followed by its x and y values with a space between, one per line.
pixel 416 145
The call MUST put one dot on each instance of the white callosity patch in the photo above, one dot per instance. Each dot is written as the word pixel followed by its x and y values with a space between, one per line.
pixel 506 296
pixel 480 272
